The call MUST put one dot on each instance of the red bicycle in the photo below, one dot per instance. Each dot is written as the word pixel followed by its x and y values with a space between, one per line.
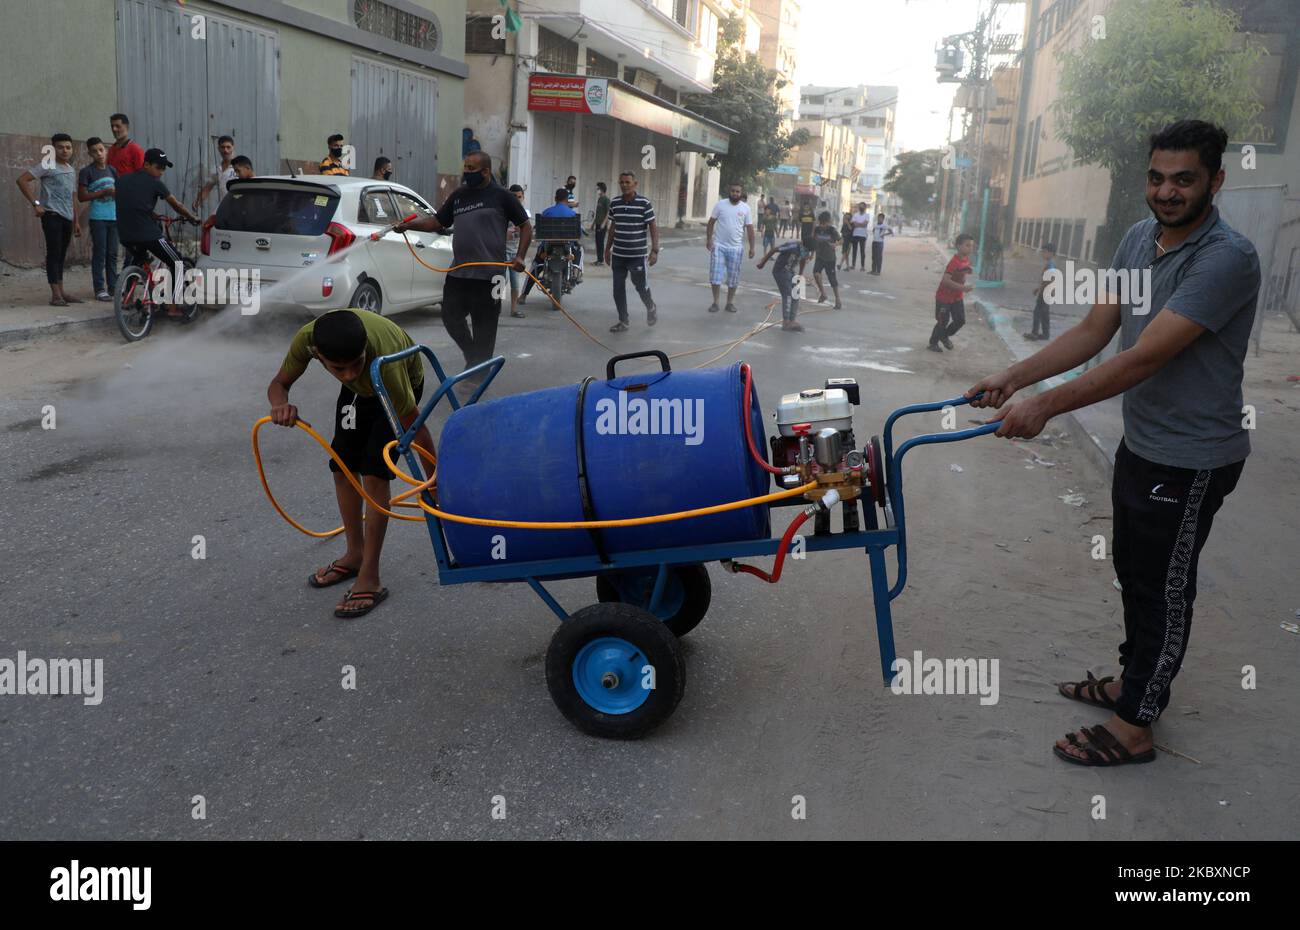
pixel 133 302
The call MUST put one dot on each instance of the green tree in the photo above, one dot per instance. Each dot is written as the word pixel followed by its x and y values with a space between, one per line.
pixel 907 179
pixel 1159 61
pixel 744 99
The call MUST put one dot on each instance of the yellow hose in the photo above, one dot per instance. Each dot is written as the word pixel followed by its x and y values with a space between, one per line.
pixel 420 486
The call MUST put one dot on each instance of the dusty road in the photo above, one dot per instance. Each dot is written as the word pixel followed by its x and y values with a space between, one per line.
pixel 222 676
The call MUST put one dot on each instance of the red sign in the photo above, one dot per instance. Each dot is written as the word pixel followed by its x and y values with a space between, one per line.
pixel 566 94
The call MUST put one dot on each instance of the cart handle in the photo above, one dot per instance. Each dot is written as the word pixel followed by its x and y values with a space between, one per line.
pixel 663 361
pixel 893 466
pixel 405 437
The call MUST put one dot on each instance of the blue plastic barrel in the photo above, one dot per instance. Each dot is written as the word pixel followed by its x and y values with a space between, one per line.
pixel 651 443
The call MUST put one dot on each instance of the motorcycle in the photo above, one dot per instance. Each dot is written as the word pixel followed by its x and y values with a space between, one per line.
pixel 556 255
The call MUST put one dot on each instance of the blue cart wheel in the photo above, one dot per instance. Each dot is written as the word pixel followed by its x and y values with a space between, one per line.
pixel 683 604
pixel 615 671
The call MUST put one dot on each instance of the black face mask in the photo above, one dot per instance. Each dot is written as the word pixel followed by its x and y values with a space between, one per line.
pixel 336 151
pixel 388 174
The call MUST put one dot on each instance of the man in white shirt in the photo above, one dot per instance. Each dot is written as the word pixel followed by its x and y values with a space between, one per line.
pixel 732 221
pixel 878 234
pixel 224 175
pixel 861 222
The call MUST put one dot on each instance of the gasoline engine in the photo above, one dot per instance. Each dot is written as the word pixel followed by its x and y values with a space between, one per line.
pixel 815 442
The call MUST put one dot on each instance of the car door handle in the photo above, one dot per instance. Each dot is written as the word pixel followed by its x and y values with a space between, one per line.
pixel 419 244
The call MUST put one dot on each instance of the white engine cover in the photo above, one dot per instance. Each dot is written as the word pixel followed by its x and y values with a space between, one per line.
pixel 822 407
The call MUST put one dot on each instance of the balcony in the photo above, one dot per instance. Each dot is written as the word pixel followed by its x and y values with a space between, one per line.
pixel 647 35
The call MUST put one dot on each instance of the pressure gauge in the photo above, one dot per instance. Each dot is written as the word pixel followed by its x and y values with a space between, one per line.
pixel 853 459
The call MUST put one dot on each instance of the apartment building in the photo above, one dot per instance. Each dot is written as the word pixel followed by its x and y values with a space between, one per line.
pixel 867 110
pixel 593 87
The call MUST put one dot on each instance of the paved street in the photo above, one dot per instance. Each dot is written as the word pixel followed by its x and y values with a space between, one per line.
pixel 223 676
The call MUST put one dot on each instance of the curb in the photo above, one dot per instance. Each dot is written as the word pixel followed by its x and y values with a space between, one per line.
pixel 11 336
pixel 1088 441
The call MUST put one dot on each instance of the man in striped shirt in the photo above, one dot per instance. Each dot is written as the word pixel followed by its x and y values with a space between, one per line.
pixel 633 219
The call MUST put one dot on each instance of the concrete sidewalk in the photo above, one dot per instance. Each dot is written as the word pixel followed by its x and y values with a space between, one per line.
pixel 25 311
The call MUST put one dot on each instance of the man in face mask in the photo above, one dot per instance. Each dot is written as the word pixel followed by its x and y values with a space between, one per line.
pixel 383 169
pixel 481 209
pixel 569 185
pixel 333 164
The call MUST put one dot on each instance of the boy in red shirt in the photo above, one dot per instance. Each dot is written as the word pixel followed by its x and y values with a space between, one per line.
pixel 949 311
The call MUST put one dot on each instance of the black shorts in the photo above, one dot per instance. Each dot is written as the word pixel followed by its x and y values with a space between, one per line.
pixel 822 265
pixel 362 447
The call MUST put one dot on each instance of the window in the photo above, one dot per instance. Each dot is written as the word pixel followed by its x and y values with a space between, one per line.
pixel 555 52
pixel 478 37
pixel 1038 233
pixel 1054 236
pixel 289 212
pixel 377 207
pixel 817 99
pixel 1077 239
pixel 682 12
pixel 1063 245
pixel 408 204
pixel 600 66
pixel 398 25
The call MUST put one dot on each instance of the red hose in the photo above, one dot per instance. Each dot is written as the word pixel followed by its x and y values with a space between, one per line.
pixel 780 553
pixel 745 415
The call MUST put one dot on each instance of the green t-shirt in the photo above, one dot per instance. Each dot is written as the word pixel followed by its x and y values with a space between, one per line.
pixel 602 210
pixel 383 337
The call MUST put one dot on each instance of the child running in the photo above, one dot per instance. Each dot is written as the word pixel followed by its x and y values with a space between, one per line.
pixel 784 273
pixel 949 310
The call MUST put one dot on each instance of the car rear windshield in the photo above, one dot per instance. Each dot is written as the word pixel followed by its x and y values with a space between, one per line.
pixel 277 210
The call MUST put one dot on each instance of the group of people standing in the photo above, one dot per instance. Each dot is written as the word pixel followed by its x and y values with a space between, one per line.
pixel 122 184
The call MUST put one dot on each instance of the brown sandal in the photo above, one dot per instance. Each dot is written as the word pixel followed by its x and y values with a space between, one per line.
pixel 1102 749
pixel 1090 691
pixel 341 572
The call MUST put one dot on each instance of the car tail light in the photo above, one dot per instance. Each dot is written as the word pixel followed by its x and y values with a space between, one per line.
pixel 340 238
pixel 205 240
pixel 326 286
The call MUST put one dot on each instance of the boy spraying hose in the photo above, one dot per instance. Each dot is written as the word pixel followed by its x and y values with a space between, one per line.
pixel 346 342
pixel 784 273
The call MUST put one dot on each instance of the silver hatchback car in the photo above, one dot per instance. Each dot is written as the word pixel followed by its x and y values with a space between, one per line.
pixel 307 237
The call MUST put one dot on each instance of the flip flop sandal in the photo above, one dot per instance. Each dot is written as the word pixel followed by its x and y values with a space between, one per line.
pixel 1102 750
pixel 340 573
pixel 374 597
pixel 1090 691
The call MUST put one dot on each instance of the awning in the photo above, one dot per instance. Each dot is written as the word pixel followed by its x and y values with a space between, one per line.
pixel 573 93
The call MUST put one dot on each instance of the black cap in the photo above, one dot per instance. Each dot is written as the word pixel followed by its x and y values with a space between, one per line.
pixel 157 157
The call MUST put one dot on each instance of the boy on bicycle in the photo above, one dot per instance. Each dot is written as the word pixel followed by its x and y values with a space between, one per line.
pixel 140 234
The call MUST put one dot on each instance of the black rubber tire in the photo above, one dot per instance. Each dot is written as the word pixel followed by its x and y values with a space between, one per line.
pixel 557 286
pixel 698 592
pixel 128 323
pixel 653 639
pixel 367 292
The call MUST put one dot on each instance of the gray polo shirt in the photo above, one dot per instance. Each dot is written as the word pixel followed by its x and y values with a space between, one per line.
pixel 1188 414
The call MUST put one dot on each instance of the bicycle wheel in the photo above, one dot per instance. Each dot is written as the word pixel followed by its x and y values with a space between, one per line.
pixel 131 304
